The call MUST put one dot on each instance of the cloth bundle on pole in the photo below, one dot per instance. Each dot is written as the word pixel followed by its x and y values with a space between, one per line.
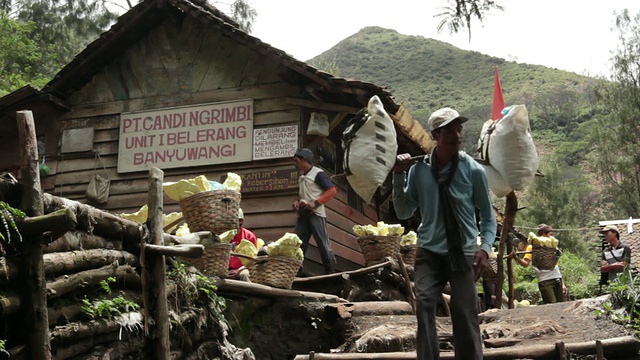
pixel 370 148
pixel 508 148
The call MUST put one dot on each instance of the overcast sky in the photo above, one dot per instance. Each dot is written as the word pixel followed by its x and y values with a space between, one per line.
pixel 573 35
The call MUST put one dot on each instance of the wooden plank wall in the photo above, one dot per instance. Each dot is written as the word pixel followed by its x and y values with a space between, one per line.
pixel 184 63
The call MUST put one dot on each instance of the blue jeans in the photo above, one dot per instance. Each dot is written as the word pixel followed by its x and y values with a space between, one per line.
pixel 432 272
pixel 311 224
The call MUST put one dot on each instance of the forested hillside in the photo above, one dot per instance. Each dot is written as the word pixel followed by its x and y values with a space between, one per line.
pixel 426 74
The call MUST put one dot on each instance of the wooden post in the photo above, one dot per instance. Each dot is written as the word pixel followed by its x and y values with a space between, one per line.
pixel 411 295
pixel 153 274
pixel 561 351
pixel 511 207
pixel 599 350
pixel 34 285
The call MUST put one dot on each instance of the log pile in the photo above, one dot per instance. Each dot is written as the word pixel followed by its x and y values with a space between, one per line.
pixel 98 262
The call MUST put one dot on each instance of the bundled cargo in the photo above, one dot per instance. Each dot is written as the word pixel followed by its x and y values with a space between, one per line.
pixel 499 141
pixel 370 148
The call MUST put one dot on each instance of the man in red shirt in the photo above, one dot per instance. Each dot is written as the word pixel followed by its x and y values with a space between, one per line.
pixel 237 271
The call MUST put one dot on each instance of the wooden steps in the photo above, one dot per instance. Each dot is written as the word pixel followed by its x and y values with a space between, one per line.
pixel 626 347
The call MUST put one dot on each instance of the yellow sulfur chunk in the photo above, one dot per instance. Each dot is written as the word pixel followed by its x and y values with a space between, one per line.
pixel 410 238
pixel 288 245
pixel 233 182
pixel 228 235
pixel 139 216
pixel 545 241
pixel 246 247
pixel 183 230
pixel 185 188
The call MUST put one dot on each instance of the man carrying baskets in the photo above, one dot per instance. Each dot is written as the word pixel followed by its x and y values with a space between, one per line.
pixel 314 190
pixel 550 283
pixel 447 188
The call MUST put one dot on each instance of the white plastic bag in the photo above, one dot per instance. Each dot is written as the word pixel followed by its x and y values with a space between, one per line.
pixel 370 149
pixel 98 187
pixel 508 147
pixel 318 124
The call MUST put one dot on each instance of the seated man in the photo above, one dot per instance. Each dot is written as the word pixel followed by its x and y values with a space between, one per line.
pixel 237 271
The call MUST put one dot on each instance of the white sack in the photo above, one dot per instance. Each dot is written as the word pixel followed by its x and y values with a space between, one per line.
pixel 497 184
pixel 510 149
pixel 371 153
pixel 318 124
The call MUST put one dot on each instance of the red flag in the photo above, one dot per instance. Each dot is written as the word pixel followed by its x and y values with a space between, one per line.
pixel 498 98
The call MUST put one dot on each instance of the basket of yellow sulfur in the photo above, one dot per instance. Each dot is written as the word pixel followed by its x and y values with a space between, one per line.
pixel 213 210
pixel 276 271
pixel 377 247
pixel 544 257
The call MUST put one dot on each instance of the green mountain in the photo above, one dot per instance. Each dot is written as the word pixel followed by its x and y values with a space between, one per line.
pixel 427 74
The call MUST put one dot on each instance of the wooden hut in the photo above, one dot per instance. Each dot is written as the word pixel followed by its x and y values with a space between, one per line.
pixel 176 84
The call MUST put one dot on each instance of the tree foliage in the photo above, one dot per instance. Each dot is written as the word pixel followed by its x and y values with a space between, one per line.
pixel 19 55
pixel 459 14
pixel 39 37
pixel 244 14
pixel 564 199
pixel 616 137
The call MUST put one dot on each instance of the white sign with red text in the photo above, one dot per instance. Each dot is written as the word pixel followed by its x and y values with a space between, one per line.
pixel 204 134
pixel 275 142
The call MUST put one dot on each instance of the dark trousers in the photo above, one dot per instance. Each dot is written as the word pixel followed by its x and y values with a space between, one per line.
pixel 432 272
pixel 551 291
pixel 311 224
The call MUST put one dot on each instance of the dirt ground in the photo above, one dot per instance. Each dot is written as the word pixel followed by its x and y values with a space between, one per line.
pixel 569 322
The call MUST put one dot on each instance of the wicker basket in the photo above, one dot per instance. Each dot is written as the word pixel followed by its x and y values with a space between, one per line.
pixel 276 271
pixel 214 210
pixel 409 254
pixel 377 247
pixel 214 261
pixel 490 271
pixel 544 257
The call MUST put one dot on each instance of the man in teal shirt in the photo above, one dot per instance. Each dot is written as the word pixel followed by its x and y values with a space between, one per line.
pixel 447 188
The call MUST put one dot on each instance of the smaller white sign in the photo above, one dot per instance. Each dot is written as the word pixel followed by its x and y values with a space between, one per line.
pixel 275 142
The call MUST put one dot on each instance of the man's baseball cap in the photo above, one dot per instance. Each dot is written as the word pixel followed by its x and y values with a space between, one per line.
pixel 442 117
pixel 610 227
pixel 306 154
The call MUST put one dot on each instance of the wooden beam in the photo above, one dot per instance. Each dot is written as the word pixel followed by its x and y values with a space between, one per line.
pixel 337 120
pixel 511 208
pixel 34 288
pixel 193 238
pixel 59 220
pixel 620 347
pixel 96 221
pixel 153 272
pixel 190 251
pixel 319 105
